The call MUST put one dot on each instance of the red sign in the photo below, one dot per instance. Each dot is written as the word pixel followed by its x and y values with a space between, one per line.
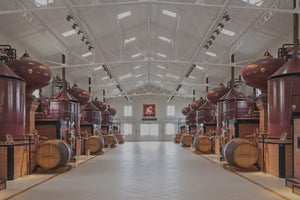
pixel 149 110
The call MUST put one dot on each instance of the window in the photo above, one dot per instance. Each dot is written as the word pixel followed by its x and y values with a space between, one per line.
pixel 127 129
pixel 169 129
pixel 128 111
pixel 149 130
pixel 170 110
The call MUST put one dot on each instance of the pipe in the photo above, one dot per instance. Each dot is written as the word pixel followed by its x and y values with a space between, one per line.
pixel 206 81
pixel 63 58
pixel 103 92
pixel 295 34
pixel 232 72
pixel 194 92
pixel 90 82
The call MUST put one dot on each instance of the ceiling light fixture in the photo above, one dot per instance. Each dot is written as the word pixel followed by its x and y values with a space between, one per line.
pixel 106 77
pixel 159 75
pixel 125 76
pixel 136 55
pixel 211 54
pixel 40 3
pixel 169 13
pixel 161 55
pixel 97 68
pixel 86 54
pixel 257 3
pixel 124 14
pixel 129 40
pixel 199 67
pixel 139 75
pixel 172 76
pixel 69 33
pixel 161 67
pixel 164 39
pixel 137 67
pixel 227 32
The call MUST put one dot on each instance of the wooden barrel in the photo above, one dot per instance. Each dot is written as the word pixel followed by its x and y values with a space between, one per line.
pixel 177 138
pixel 241 153
pixel 120 138
pixel 203 144
pixel 53 154
pixel 110 140
pixel 94 143
pixel 187 140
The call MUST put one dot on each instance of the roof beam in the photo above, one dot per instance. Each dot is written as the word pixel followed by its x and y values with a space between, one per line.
pixel 246 7
pixel 202 42
pixel 147 60
pixel 82 23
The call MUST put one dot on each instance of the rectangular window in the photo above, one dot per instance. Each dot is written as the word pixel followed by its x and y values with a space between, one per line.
pixel 127 111
pixel 170 110
pixel 149 130
pixel 170 129
pixel 127 128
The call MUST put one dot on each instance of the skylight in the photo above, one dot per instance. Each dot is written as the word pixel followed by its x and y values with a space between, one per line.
pixel 86 54
pixel 129 40
pixel 69 33
pixel 254 2
pixel 227 32
pixel 40 3
pixel 124 14
pixel 106 77
pixel 136 55
pixel 169 13
pixel 172 76
pixel 161 67
pixel 159 75
pixel 97 68
pixel 161 55
pixel 199 67
pixel 137 67
pixel 164 39
pixel 125 76
pixel 139 75
pixel 211 54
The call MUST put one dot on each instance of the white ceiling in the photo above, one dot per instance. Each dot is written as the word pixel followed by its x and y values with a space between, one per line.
pixel 40 29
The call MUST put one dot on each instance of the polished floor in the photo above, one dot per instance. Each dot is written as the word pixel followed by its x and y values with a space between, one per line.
pixel 148 170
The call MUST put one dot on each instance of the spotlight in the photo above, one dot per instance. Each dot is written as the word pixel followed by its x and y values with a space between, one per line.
pixel 206 46
pixel 217 31
pixel 74 25
pixel 90 48
pixel 213 37
pixel 87 43
pixel 221 25
pixel 226 17
pixel 83 38
pixel 79 32
pixel 209 42
pixel 69 17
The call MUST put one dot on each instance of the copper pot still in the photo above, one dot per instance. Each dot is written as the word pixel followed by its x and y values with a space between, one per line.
pixel 190 118
pixel 90 114
pixel 257 73
pixel 64 106
pixel 284 98
pixel 186 110
pixel 81 95
pixel 12 103
pixel 100 105
pixel 35 74
pixel 213 95
pixel 197 104
pixel 206 113
pixel 233 105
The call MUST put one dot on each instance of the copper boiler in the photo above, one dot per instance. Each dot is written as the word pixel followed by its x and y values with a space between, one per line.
pixel 12 103
pixel 284 98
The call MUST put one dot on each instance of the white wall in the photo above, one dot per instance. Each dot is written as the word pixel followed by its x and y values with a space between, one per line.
pixel 161 114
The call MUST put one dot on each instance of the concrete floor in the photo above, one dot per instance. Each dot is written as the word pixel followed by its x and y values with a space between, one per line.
pixel 148 170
